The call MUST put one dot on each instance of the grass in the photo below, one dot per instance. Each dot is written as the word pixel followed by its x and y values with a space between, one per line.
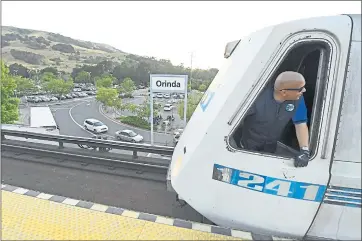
pixel 135 121
pixel 49 54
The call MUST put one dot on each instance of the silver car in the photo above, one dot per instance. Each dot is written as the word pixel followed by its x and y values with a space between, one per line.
pixel 128 135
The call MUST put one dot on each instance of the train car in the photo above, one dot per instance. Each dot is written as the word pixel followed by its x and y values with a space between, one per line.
pixel 265 193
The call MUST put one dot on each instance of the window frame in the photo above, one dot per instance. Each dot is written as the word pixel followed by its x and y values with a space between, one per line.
pixel 325 71
pixel 124 133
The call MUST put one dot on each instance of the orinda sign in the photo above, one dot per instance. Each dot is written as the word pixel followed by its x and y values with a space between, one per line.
pixel 168 83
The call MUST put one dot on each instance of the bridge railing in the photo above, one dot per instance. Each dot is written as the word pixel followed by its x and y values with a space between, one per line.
pixel 101 144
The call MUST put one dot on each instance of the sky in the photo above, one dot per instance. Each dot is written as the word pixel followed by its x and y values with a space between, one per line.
pixel 169 30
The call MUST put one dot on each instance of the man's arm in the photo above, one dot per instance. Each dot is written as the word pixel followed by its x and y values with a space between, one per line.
pixel 300 122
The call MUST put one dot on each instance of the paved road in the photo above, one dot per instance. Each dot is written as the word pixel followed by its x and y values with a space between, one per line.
pixel 65 122
pixel 129 193
pixel 90 109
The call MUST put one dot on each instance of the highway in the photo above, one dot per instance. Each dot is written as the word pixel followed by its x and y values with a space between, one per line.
pixel 93 184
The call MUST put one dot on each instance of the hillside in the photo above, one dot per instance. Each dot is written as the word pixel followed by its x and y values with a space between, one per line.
pixel 25 50
pixel 40 49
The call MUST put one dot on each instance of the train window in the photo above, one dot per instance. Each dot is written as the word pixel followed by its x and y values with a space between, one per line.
pixel 310 59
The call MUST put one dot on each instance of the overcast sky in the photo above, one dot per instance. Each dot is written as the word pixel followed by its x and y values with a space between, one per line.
pixel 169 30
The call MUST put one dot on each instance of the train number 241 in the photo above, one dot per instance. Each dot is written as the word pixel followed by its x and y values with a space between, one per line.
pixel 272 186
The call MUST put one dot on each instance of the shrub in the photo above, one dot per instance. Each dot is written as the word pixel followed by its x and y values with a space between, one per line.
pixel 135 121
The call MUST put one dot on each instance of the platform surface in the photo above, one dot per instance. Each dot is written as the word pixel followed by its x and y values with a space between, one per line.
pixel 32 215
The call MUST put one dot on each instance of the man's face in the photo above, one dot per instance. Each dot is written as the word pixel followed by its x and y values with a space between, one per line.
pixel 294 91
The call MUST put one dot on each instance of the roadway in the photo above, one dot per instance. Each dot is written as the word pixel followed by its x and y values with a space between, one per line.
pixel 71 115
pixel 93 185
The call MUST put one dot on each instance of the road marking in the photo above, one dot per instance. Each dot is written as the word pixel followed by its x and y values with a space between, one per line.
pixel 70 114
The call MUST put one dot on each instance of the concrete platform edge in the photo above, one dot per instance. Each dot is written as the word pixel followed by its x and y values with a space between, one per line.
pixel 137 215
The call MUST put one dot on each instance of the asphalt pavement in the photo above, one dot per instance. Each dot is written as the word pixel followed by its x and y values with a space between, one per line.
pixel 84 110
pixel 66 124
pixel 77 183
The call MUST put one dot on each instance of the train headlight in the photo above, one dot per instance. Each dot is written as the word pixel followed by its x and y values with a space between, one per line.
pixel 230 47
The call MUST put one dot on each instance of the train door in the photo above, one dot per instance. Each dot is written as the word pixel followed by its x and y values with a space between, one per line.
pixel 339 216
pixel 291 196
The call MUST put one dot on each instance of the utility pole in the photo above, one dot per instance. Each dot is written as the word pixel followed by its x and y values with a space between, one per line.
pixel 192 56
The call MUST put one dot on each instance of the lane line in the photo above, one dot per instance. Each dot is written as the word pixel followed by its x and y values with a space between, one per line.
pixel 70 114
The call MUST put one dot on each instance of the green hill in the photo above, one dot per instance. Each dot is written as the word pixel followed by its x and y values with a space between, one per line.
pixel 40 49
pixel 34 49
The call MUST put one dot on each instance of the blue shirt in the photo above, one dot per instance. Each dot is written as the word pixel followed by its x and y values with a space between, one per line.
pixel 267 118
pixel 300 115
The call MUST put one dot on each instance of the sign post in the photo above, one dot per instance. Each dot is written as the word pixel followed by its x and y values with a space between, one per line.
pixel 163 83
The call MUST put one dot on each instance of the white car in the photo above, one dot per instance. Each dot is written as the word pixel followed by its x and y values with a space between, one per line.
pixel 128 135
pixel 95 126
pixel 167 107
pixel 159 95
pixel 166 96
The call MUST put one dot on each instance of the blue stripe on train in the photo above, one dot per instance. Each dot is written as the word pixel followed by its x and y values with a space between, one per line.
pixel 345 199
pixel 345 194
pixel 347 189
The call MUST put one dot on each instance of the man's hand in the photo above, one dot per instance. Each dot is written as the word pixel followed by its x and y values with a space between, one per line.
pixel 302 159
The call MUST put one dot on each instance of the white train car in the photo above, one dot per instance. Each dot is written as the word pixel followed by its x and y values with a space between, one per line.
pixel 265 193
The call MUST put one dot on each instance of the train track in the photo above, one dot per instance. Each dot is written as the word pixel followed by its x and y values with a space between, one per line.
pixel 154 170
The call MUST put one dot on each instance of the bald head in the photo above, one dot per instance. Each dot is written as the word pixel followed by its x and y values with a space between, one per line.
pixel 289 79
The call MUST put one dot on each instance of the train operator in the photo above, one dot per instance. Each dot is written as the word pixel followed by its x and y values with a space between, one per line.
pixel 269 115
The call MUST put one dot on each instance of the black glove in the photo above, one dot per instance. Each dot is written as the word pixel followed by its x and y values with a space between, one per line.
pixel 302 159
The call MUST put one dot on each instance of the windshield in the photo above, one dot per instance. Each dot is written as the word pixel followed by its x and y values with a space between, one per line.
pixel 132 134
pixel 98 124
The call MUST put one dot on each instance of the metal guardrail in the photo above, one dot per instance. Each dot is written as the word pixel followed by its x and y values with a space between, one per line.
pixel 102 144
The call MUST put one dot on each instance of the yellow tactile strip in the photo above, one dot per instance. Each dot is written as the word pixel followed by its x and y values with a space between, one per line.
pixel 31 215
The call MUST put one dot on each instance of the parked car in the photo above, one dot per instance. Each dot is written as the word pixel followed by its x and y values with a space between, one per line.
pixel 167 107
pixel 95 126
pixel 33 99
pixel 128 135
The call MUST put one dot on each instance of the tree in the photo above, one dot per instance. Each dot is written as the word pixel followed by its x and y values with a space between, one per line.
pixel 143 111
pixel 192 102
pixel 47 76
pixel 52 70
pixel 24 85
pixel 83 77
pixel 127 86
pixel 118 105
pixel 107 96
pixel 9 104
pixel 18 69
pixel 105 81
pixel 58 86
pixel 202 88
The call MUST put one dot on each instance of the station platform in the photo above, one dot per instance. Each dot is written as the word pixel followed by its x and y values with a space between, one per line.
pixel 32 215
